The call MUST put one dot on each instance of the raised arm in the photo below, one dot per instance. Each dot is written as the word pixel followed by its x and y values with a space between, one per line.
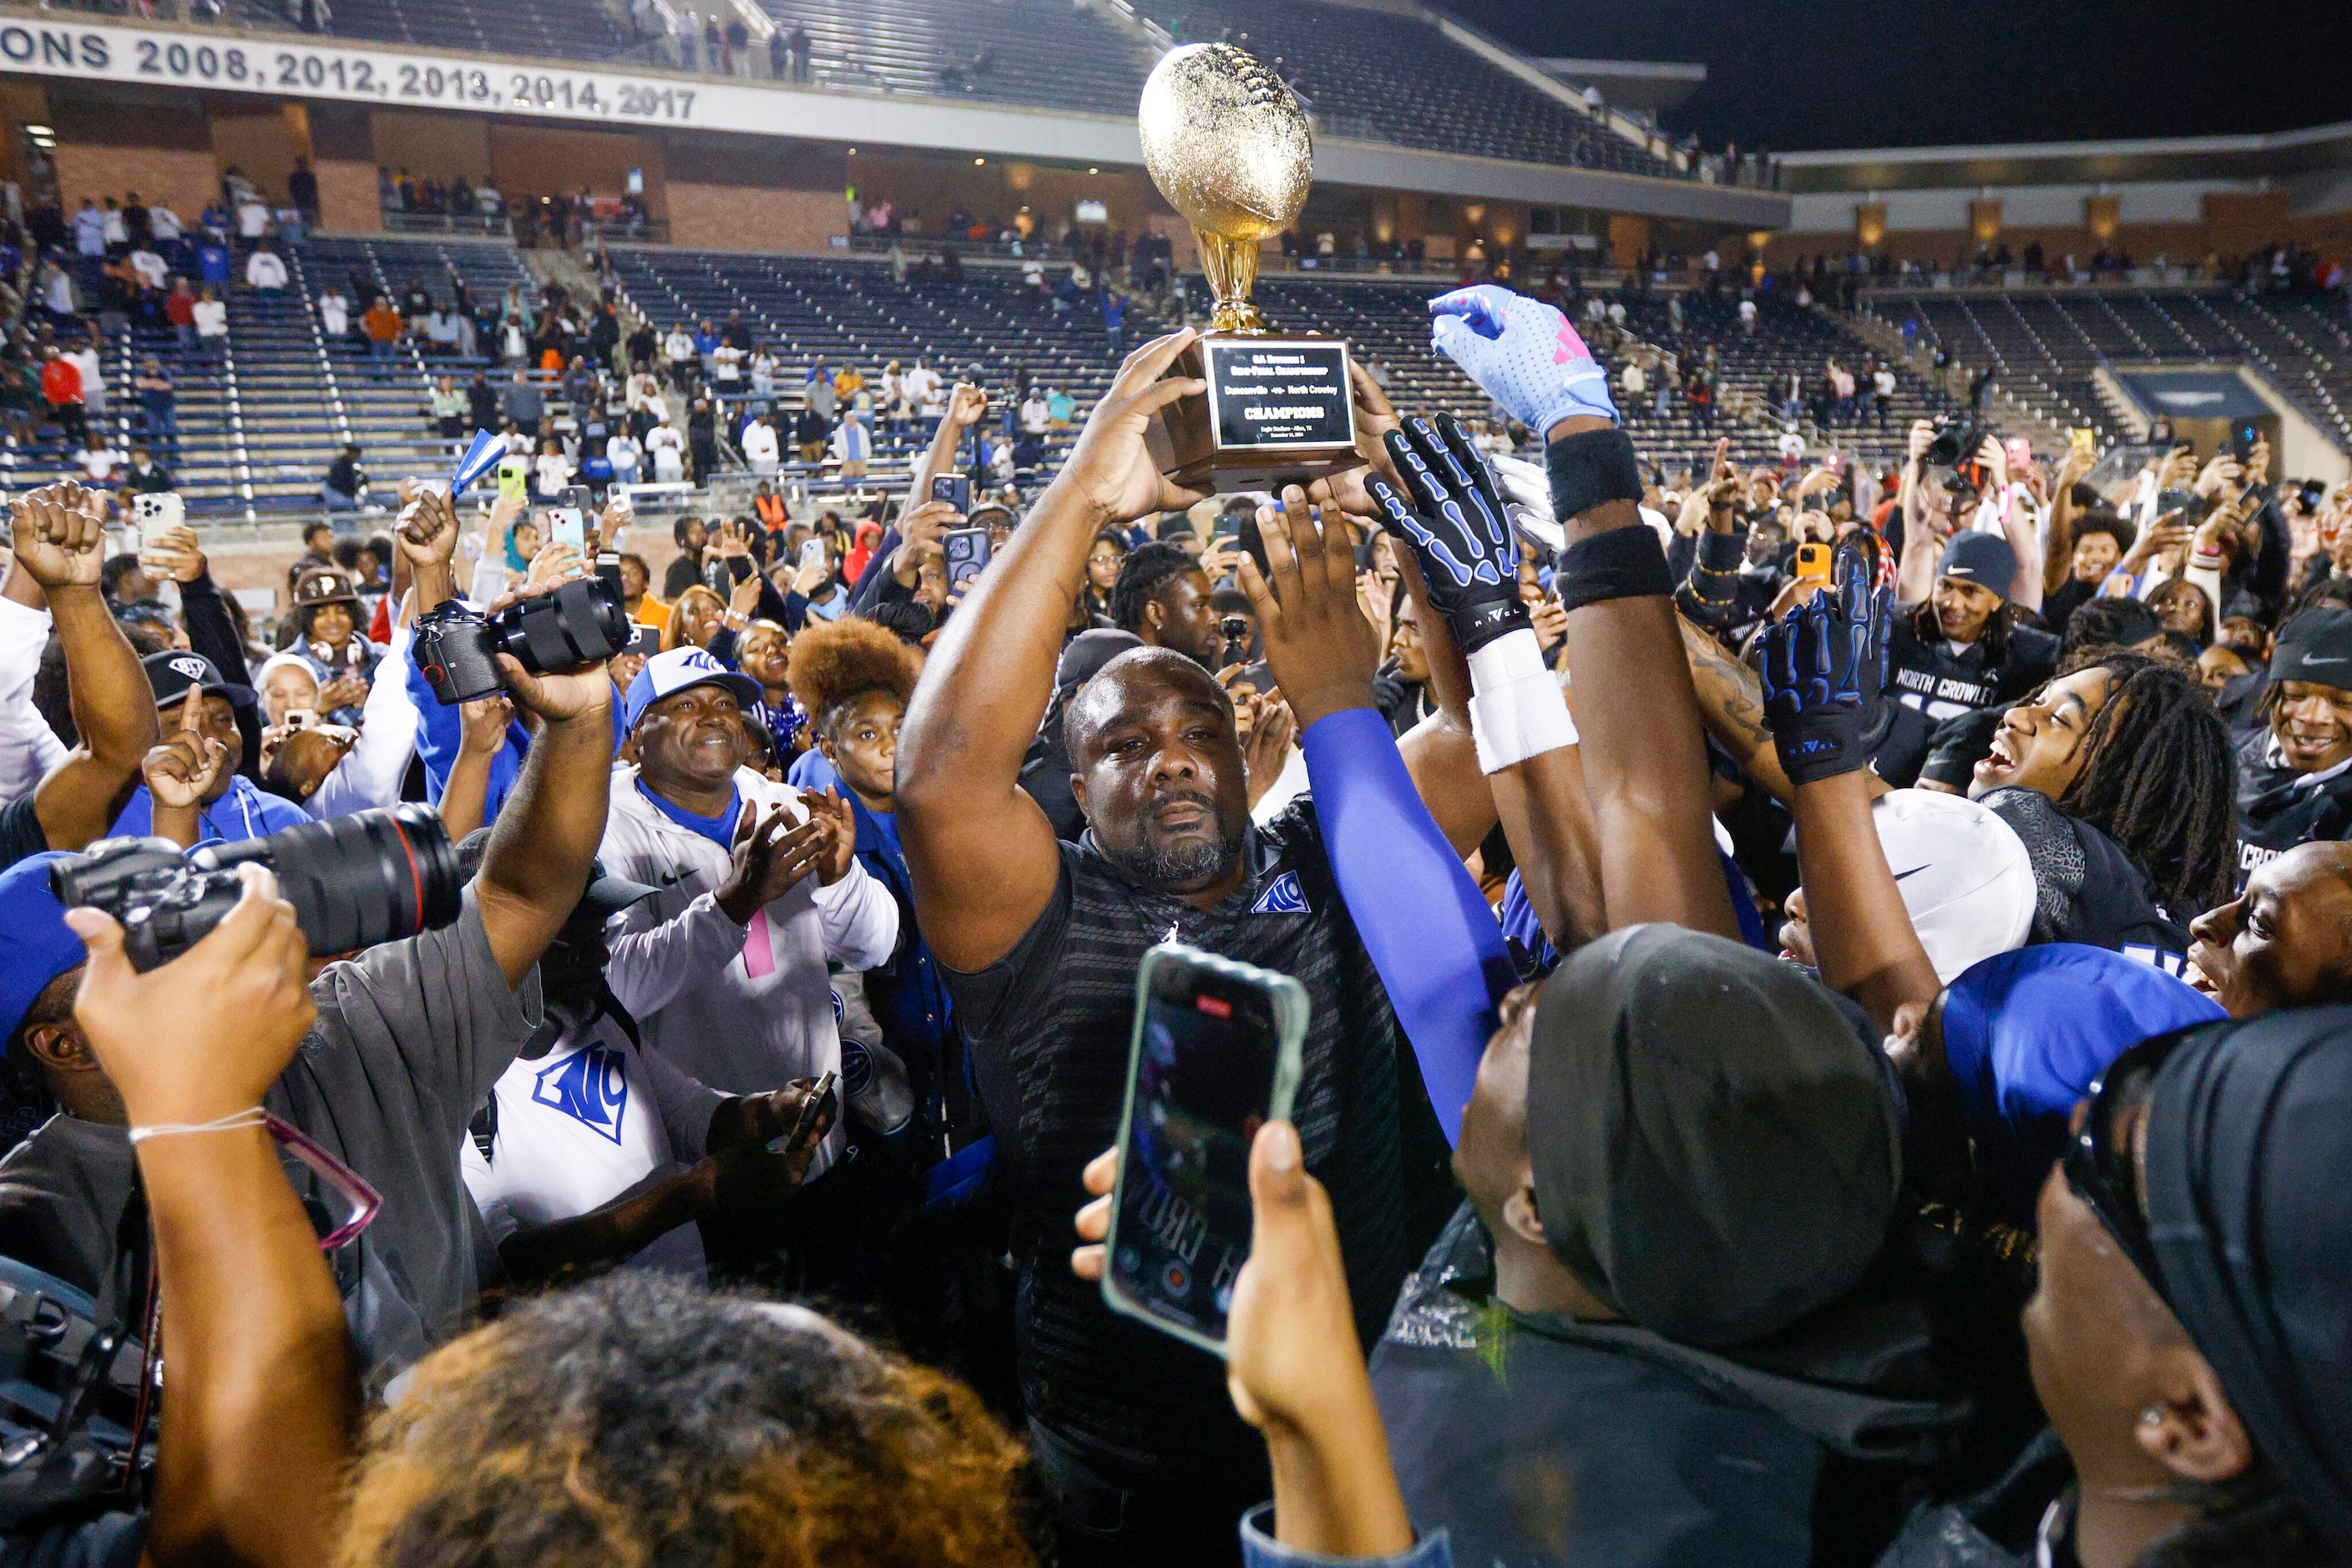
pixel 981 854
pixel 211 632
pixel 260 1425
pixel 1644 753
pixel 1516 741
pixel 966 403
pixel 1915 570
pixel 1430 936
pixel 1438 752
pixel 60 540
pixel 1821 665
pixel 2058 541
pixel 546 835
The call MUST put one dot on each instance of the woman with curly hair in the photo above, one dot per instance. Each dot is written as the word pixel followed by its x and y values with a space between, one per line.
pixel 642 1419
pixel 853 678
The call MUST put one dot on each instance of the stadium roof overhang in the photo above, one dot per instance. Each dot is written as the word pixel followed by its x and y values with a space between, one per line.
pixel 2119 161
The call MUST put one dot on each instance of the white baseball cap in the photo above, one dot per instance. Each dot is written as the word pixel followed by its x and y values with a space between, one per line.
pixel 675 671
pixel 1963 872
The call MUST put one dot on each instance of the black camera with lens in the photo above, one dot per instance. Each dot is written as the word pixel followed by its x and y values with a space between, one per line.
pixel 1961 436
pixel 354 881
pixel 456 645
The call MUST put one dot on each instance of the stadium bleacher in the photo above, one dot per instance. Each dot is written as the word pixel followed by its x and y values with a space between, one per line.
pixel 576 29
pixel 1381 77
pixel 1397 78
pixel 2046 343
pixel 1042 52
pixel 260 424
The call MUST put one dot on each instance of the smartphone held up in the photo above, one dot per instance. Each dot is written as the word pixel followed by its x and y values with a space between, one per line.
pixel 1214 1056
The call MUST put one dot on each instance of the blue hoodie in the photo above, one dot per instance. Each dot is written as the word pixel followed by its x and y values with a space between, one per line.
pixel 244 812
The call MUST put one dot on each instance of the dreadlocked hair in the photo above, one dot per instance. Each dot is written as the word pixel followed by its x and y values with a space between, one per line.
pixel 1993 640
pixel 835 663
pixel 1141 575
pixel 2160 779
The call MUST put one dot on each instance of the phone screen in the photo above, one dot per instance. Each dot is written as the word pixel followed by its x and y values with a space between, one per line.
pixel 1205 1054
pixel 967 555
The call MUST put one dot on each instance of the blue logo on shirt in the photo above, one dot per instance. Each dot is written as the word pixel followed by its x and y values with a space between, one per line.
pixel 592 1088
pixel 1283 896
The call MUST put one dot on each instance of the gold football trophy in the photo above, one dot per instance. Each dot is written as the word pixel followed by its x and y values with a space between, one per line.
pixel 1227 143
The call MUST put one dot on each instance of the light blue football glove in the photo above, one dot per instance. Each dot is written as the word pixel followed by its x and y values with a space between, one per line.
pixel 1522 353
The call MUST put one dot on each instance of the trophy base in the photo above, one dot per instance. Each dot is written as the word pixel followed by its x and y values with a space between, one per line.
pixel 1278 410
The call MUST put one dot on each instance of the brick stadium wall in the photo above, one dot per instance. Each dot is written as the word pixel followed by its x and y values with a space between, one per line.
pixel 185 180
pixel 347 196
pixel 105 149
pixel 745 218
pixel 259 145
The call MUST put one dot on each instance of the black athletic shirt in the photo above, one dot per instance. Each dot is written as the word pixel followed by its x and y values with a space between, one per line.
pixel 1048 1027
pixel 2087 888
pixel 2279 808
pixel 21 835
pixel 1936 685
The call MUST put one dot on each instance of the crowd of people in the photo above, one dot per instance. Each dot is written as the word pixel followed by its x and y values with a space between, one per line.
pixel 1822 1038
pixel 67 279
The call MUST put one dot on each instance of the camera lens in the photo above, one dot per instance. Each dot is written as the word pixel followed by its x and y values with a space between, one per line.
pixel 582 622
pixel 357 880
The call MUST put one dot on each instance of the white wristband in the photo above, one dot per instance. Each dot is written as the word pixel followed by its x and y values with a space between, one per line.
pixel 229 1123
pixel 1515 708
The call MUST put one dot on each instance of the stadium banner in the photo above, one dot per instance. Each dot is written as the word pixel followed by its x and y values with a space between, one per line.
pixel 259 63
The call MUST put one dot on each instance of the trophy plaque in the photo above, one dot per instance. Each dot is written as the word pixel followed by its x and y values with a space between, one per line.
pixel 1227 143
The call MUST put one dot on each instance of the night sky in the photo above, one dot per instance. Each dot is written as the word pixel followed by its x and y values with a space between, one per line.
pixel 1792 74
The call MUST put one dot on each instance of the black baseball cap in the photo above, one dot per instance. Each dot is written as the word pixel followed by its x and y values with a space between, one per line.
pixel 174 671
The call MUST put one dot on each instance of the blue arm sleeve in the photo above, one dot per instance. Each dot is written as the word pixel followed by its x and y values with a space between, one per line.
pixel 1430 933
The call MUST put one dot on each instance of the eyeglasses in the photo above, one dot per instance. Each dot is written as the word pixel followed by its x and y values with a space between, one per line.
pixel 2098 1164
pixel 362 1202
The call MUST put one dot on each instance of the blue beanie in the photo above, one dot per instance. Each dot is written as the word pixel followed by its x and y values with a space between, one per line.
pixel 35 944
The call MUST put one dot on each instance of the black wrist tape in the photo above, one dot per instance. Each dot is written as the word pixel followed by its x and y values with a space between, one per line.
pixel 1590 468
pixel 1621 563
pixel 1722 552
pixel 1474 626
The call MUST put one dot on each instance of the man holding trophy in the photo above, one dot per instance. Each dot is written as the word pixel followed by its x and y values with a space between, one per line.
pixel 1041 941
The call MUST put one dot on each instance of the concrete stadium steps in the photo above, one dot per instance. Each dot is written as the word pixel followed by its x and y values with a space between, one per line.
pixel 2046 343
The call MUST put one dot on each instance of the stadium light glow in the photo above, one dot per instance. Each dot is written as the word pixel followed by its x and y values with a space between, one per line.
pixel 979 161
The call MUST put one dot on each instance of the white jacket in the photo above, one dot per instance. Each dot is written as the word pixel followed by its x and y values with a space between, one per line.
pixel 370 773
pixel 743 1009
pixel 28 747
